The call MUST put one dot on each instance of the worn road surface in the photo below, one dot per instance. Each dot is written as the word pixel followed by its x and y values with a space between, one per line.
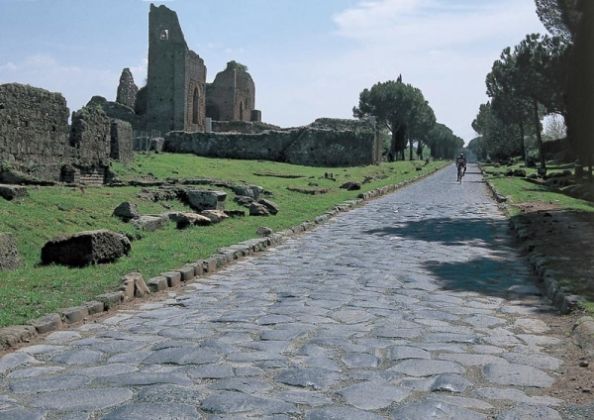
pixel 416 306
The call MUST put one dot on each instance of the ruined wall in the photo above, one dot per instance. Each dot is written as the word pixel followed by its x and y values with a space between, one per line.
pixel 122 136
pixel 175 91
pixel 243 127
pixel 90 140
pixel 33 130
pixel 127 89
pixel 304 146
pixel 118 111
pixel 232 95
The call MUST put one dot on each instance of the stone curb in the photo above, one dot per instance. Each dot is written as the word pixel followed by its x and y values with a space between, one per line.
pixel 561 298
pixel 133 286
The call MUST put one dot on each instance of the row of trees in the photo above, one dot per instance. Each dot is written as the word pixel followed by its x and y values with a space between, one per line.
pixel 402 110
pixel 542 75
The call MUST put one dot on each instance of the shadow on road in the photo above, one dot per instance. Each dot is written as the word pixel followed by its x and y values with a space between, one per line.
pixel 449 231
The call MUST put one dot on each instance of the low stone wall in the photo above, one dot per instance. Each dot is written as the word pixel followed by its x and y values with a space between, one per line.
pixel 243 127
pixel 312 145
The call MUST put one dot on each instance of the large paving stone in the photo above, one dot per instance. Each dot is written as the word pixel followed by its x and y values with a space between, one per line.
pixel 373 395
pixel 340 413
pixel 53 383
pixel 83 399
pixel 20 413
pixel 519 375
pixel 238 402
pixel 434 409
pixel 525 411
pixel 308 377
pixel 145 410
pixel 427 367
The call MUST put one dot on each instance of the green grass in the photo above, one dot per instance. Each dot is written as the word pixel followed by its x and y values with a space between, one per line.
pixel 520 191
pixel 34 290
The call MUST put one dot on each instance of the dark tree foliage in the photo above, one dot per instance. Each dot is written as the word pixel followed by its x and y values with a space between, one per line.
pixel 444 144
pixel 399 107
pixel 499 140
pixel 560 17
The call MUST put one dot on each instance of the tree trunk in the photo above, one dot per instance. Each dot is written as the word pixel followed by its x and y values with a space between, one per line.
pixel 420 150
pixel 410 145
pixel 537 125
pixel 522 145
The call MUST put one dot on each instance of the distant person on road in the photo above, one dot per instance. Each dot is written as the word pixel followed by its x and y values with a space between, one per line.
pixel 461 166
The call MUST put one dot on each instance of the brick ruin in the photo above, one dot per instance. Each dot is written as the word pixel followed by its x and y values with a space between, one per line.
pixel 232 95
pixel 176 111
pixel 37 144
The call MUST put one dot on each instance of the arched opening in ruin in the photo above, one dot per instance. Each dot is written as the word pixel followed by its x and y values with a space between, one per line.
pixel 196 107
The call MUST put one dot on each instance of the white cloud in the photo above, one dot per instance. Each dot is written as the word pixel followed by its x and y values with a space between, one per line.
pixel 445 47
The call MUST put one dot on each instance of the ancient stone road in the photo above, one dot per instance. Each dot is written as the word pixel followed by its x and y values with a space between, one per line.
pixel 415 306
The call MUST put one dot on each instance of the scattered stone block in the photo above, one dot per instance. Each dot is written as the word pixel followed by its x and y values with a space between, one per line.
pixel 270 206
pixel 198 268
pixel 187 272
pixel 12 336
pixel 126 212
pixel 74 315
pixel 210 265
pixel 243 200
pixel 351 186
pixel 257 209
pixel 9 254
pixel 94 307
pixel 47 323
pixel 111 300
pixel 85 248
pixel 206 200
pixel 133 285
pixel 264 231
pixel 235 213
pixel 150 223
pixel 11 192
pixel 184 220
pixel 173 278
pixel 251 191
pixel 157 284
pixel 215 216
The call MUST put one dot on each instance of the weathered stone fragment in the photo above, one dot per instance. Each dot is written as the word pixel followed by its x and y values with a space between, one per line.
pixel 85 248
pixel 73 315
pixel 111 300
pixel 184 220
pixel 133 285
pixel 47 323
pixel 173 278
pixel 257 209
pixel 235 213
pixel 243 200
pixel 206 200
pixel 150 223
pixel 157 284
pixel 215 216
pixel 264 231
pixel 126 211
pixel 11 192
pixel 351 186
pixel 94 307
pixel 270 206
pixel 9 254
pixel 251 191
pixel 11 336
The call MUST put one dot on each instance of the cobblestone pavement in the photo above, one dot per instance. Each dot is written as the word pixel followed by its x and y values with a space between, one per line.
pixel 415 306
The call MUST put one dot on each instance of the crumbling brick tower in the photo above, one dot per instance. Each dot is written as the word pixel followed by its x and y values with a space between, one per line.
pixel 176 77
pixel 232 95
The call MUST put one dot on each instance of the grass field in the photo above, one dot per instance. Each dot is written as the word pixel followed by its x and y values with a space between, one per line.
pixel 567 257
pixel 34 290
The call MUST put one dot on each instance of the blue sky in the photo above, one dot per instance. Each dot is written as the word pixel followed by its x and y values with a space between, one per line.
pixel 309 58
